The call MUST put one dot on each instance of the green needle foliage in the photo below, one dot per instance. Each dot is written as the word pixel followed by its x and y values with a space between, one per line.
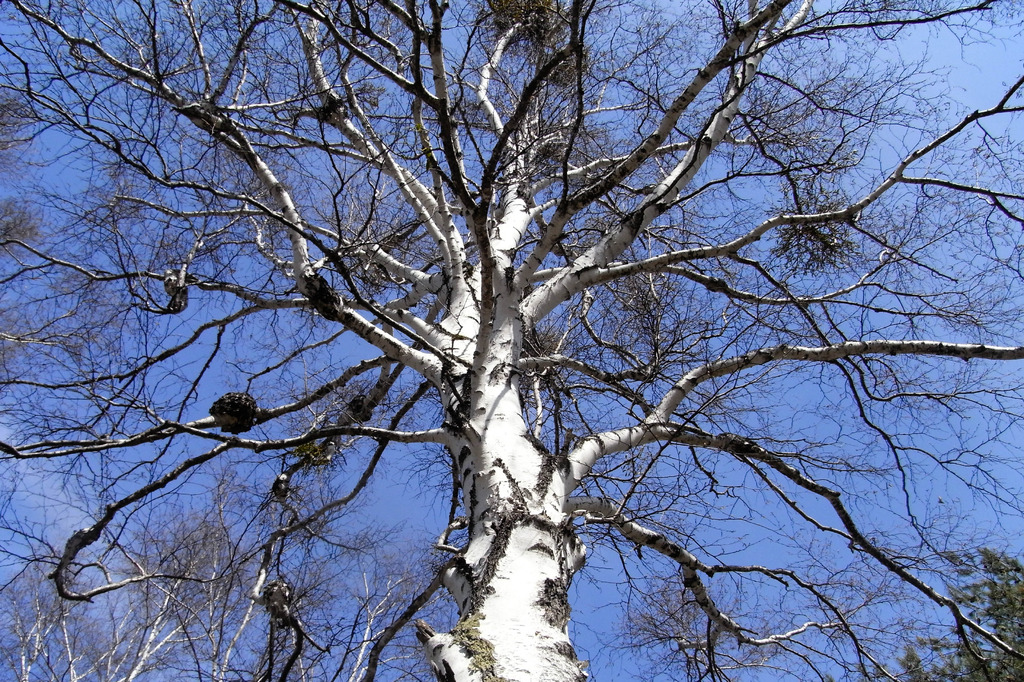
pixel 995 599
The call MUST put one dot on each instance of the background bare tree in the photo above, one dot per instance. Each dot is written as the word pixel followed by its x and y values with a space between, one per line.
pixel 715 299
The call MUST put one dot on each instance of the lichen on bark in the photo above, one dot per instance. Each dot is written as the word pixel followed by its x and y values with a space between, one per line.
pixel 466 634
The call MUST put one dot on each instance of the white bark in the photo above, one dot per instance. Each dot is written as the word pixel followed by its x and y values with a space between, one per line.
pixel 511 581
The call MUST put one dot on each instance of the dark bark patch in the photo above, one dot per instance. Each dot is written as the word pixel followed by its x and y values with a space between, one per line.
pixel 554 600
pixel 519 497
pixel 473 501
pixel 551 464
pixel 565 649
pixel 499 546
pixel 542 548
pixel 465 572
pixel 322 296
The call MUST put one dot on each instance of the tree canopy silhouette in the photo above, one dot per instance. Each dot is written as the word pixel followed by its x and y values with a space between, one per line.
pixel 711 301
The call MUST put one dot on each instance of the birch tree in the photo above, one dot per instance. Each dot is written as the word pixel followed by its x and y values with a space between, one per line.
pixel 719 298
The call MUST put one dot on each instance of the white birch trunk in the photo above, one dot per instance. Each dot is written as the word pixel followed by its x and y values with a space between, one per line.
pixel 511 582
